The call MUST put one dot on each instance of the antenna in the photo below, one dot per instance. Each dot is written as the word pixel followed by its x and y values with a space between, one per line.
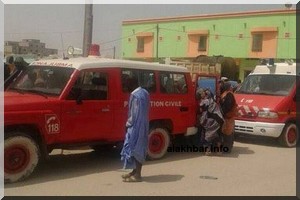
pixel 62 44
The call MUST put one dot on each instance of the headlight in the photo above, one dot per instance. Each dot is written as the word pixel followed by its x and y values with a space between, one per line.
pixel 267 114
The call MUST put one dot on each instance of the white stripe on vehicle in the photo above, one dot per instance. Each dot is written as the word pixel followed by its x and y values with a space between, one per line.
pixel 266 109
pixel 256 109
pixel 247 109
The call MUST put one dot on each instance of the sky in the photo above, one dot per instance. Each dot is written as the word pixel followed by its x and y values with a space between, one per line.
pixel 61 25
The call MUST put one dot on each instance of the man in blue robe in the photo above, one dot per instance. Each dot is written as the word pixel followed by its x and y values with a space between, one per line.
pixel 136 140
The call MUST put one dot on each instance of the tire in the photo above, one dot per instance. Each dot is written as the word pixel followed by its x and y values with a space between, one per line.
pixel 289 135
pixel 21 156
pixel 158 144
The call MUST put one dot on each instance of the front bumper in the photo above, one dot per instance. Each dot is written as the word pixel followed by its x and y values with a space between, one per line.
pixel 259 128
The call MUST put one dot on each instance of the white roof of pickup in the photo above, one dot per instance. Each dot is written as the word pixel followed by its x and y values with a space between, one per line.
pixel 98 62
pixel 278 68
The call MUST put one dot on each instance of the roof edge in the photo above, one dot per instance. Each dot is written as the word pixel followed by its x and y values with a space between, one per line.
pixel 208 16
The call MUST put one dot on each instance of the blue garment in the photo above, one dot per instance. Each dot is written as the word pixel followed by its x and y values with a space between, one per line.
pixel 136 139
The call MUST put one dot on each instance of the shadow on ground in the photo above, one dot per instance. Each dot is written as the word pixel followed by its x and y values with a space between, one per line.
pixel 258 140
pixel 162 178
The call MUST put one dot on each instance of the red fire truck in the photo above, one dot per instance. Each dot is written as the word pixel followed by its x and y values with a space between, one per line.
pixel 62 103
pixel 267 103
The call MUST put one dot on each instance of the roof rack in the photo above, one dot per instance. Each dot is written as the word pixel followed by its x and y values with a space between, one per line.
pixel 269 62
pixel 289 61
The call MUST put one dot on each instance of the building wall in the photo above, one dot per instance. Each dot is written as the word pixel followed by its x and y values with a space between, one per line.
pixel 28 46
pixel 10 47
pixel 246 65
pixel 230 36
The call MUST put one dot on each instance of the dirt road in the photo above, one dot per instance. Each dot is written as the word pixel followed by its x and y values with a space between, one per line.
pixel 255 167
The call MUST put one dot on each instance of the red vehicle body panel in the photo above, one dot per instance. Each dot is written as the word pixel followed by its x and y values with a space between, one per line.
pixel 61 121
pixel 249 105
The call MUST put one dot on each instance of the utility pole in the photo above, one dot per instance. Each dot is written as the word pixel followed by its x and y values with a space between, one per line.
pixel 62 44
pixel 157 32
pixel 88 29
pixel 114 52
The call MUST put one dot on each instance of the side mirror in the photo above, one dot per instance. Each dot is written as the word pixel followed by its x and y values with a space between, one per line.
pixel 75 94
pixel 79 100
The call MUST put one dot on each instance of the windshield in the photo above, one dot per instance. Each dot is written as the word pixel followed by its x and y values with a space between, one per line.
pixel 43 79
pixel 267 84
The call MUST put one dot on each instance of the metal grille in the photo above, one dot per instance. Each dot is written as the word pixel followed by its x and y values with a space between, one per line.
pixel 243 129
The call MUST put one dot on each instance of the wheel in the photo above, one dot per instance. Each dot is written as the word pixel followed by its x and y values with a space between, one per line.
pixel 21 156
pixel 159 141
pixel 289 135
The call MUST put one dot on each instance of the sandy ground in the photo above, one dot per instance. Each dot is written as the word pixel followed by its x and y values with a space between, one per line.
pixel 256 167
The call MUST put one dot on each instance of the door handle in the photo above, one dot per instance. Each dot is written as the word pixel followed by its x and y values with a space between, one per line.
pixel 183 109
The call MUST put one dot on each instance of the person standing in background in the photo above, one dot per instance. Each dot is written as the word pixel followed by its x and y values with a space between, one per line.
pixel 11 65
pixel 211 121
pixel 6 71
pixel 18 66
pixel 229 110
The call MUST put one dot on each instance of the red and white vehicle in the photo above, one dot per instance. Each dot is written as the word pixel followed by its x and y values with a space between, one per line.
pixel 267 103
pixel 62 103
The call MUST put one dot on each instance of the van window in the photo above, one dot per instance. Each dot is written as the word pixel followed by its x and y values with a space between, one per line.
pixel 280 85
pixel 92 86
pixel 172 83
pixel 145 78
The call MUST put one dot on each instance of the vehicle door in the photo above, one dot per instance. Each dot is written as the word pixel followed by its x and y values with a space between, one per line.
pixel 87 112
pixel 175 100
